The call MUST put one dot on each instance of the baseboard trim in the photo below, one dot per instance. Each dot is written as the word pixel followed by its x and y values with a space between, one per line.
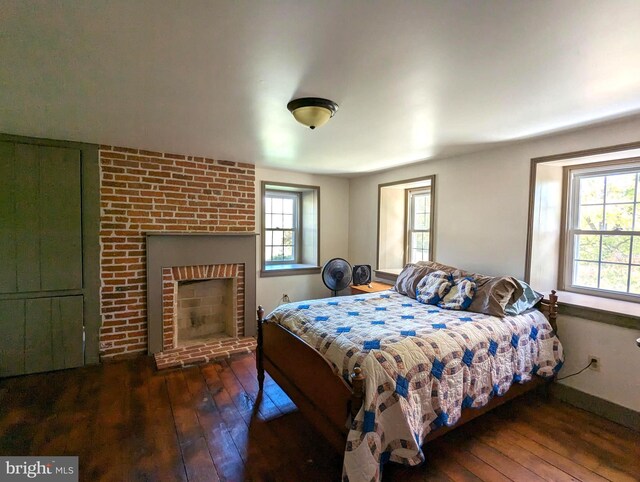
pixel 609 410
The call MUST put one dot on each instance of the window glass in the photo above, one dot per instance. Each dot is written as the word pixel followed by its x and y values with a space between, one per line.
pixel 605 238
pixel 592 190
pixel 419 203
pixel 621 188
pixel 586 274
pixel 618 217
pixel 635 280
pixel 281 225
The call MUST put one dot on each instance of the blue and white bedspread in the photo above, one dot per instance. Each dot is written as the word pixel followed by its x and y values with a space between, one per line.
pixel 423 365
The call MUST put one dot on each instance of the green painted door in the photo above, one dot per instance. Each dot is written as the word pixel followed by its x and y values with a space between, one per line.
pixel 41 259
pixel 40 334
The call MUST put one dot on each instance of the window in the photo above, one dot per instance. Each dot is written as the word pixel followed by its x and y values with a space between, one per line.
pixel 405 224
pixel 418 224
pixel 603 230
pixel 281 227
pixel 583 233
pixel 290 229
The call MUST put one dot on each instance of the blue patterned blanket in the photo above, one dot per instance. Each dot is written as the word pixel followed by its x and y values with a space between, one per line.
pixel 423 366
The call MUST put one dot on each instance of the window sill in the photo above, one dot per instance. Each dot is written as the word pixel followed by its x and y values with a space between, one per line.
pixel 288 270
pixel 390 274
pixel 605 310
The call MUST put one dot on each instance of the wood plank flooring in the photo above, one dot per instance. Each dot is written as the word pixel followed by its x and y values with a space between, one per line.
pixel 128 422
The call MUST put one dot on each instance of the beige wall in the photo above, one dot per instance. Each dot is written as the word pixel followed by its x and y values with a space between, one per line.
pixel 618 379
pixel 482 203
pixel 334 236
pixel 464 203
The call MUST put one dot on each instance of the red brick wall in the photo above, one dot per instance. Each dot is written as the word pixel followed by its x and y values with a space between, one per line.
pixel 142 192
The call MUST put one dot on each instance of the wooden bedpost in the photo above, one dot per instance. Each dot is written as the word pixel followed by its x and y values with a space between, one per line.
pixel 259 349
pixel 553 310
pixel 357 391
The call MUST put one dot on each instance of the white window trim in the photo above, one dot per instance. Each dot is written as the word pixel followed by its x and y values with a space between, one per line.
pixel 297 227
pixel 572 229
pixel 411 194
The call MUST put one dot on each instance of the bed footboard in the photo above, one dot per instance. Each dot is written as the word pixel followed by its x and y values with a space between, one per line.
pixel 325 399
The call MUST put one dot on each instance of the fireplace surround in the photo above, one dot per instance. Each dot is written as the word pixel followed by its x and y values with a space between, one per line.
pixel 173 259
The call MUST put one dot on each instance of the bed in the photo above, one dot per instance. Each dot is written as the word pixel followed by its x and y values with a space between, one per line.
pixel 380 374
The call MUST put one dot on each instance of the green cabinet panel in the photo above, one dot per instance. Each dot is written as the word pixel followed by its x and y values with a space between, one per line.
pixel 60 219
pixel 40 218
pixel 27 217
pixel 53 333
pixel 67 331
pixel 8 269
pixel 38 353
pixel 12 324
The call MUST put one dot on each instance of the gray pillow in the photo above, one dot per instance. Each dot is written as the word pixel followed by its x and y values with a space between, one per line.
pixel 493 293
pixel 409 277
pixel 437 266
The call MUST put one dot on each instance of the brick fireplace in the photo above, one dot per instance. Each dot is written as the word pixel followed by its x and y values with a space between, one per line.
pixel 144 193
pixel 202 314
pixel 201 304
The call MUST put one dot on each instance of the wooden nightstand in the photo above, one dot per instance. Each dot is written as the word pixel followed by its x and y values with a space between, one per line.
pixel 375 286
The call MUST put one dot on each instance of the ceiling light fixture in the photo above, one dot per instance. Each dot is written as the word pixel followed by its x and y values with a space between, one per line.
pixel 312 111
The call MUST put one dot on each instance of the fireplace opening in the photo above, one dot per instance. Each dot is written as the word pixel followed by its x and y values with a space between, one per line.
pixel 206 310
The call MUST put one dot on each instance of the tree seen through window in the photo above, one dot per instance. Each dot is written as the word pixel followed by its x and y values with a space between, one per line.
pixel 418 224
pixel 605 231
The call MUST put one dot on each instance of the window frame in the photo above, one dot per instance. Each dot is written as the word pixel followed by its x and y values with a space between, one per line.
pixel 307 257
pixel 570 219
pixel 297 225
pixel 410 194
pixel 544 243
pixel 389 272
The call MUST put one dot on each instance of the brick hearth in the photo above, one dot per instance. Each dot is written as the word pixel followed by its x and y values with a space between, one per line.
pixel 205 352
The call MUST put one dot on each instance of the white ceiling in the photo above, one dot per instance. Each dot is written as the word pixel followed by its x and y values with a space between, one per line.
pixel 414 79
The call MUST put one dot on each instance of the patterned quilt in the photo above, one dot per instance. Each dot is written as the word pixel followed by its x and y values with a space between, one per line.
pixel 423 366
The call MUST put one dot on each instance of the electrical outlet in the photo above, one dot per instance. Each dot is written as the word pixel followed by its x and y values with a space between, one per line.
pixel 595 363
pixel 285 298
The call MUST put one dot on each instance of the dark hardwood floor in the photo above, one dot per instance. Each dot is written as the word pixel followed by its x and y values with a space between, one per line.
pixel 128 422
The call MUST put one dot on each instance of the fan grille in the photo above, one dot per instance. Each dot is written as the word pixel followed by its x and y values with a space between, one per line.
pixel 336 274
pixel 361 274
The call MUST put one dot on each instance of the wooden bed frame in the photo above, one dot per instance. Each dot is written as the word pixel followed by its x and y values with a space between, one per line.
pixel 325 399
